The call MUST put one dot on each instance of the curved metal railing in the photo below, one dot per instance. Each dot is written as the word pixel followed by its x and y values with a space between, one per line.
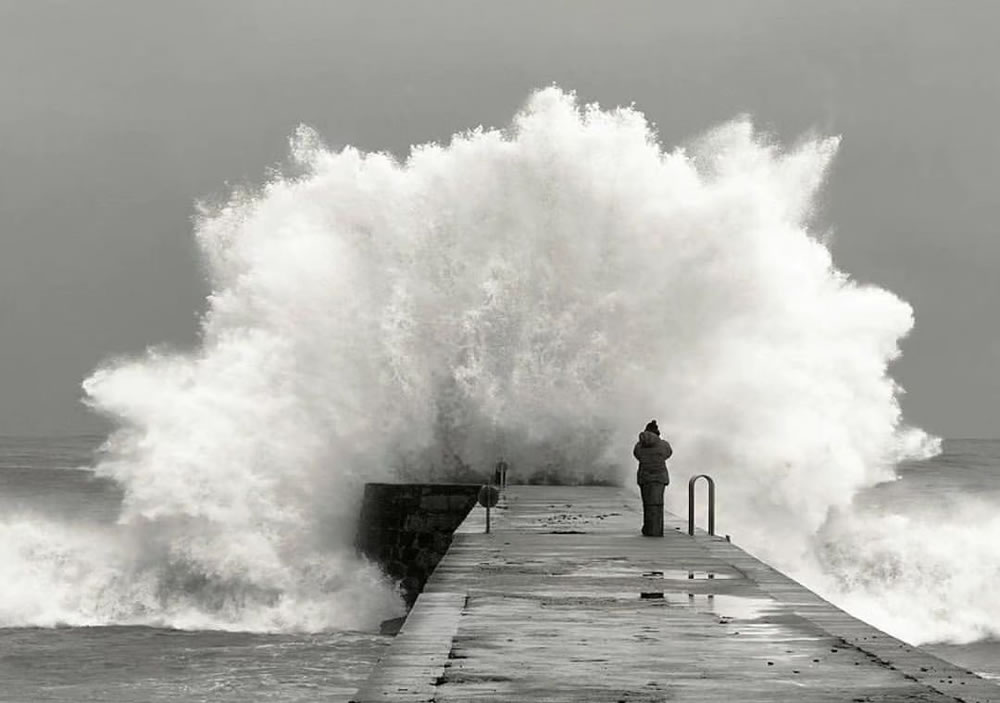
pixel 711 503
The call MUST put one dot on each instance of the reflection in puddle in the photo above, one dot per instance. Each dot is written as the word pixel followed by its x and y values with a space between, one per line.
pixel 727 607
pixel 712 575
pixel 736 607
pixel 605 570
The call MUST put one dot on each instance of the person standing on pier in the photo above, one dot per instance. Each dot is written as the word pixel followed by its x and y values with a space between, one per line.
pixel 652 476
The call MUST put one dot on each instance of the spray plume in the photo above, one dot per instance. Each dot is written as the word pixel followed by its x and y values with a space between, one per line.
pixel 537 292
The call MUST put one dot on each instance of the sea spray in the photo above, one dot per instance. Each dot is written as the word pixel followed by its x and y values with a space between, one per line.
pixel 924 577
pixel 537 292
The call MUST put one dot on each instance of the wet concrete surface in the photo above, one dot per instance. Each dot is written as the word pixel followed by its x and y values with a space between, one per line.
pixel 566 601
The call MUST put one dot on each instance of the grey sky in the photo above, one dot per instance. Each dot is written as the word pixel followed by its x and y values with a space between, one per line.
pixel 117 116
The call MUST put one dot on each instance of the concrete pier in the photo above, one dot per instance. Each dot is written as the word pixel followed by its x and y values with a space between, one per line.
pixel 565 601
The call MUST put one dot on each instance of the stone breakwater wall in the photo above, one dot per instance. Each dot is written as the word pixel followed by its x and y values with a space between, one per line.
pixel 407 527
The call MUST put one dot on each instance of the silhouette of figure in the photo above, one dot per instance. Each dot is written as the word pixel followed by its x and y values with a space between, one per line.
pixel 652 476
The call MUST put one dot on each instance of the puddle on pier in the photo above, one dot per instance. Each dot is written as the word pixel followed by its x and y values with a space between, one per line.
pixel 685 574
pixel 734 607
pixel 725 607
pixel 605 570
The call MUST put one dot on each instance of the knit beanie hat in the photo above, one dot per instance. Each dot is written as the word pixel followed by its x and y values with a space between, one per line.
pixel 651 427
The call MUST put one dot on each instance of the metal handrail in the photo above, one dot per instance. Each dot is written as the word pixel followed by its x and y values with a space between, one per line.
pixel 711 503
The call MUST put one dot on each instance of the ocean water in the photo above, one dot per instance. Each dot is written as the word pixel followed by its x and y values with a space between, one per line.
pixel 48 480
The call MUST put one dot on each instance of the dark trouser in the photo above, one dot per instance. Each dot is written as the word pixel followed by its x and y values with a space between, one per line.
pixel 652 508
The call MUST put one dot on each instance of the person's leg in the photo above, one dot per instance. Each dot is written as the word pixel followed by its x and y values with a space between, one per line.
pixel 646 517
pixel 653 509
pixel 657 529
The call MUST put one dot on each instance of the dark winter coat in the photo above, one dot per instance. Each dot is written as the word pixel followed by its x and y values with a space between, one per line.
pixel 652 453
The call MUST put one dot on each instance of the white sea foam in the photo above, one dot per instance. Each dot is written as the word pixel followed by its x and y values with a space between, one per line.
pixel 923 577
pixel 537 292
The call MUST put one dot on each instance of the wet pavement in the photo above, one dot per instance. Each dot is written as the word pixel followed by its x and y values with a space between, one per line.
pixel 565 601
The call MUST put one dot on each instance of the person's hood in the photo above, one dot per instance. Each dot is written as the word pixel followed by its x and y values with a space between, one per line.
pixel 648 439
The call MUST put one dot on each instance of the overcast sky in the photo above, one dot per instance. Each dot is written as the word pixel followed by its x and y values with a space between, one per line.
pixel 117 116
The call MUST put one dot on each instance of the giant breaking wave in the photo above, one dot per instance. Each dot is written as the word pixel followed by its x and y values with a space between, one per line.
pixel 537 292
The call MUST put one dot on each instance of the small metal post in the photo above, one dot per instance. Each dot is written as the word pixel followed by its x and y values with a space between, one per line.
pixel 488 497
pixel 711 503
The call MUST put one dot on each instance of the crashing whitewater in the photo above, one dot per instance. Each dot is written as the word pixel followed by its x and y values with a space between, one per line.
pixel 537 292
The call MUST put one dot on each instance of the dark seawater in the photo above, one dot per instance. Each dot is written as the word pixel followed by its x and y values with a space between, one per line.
pixel 48 477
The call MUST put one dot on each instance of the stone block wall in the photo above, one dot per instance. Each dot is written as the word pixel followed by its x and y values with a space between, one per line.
pixel 407 527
